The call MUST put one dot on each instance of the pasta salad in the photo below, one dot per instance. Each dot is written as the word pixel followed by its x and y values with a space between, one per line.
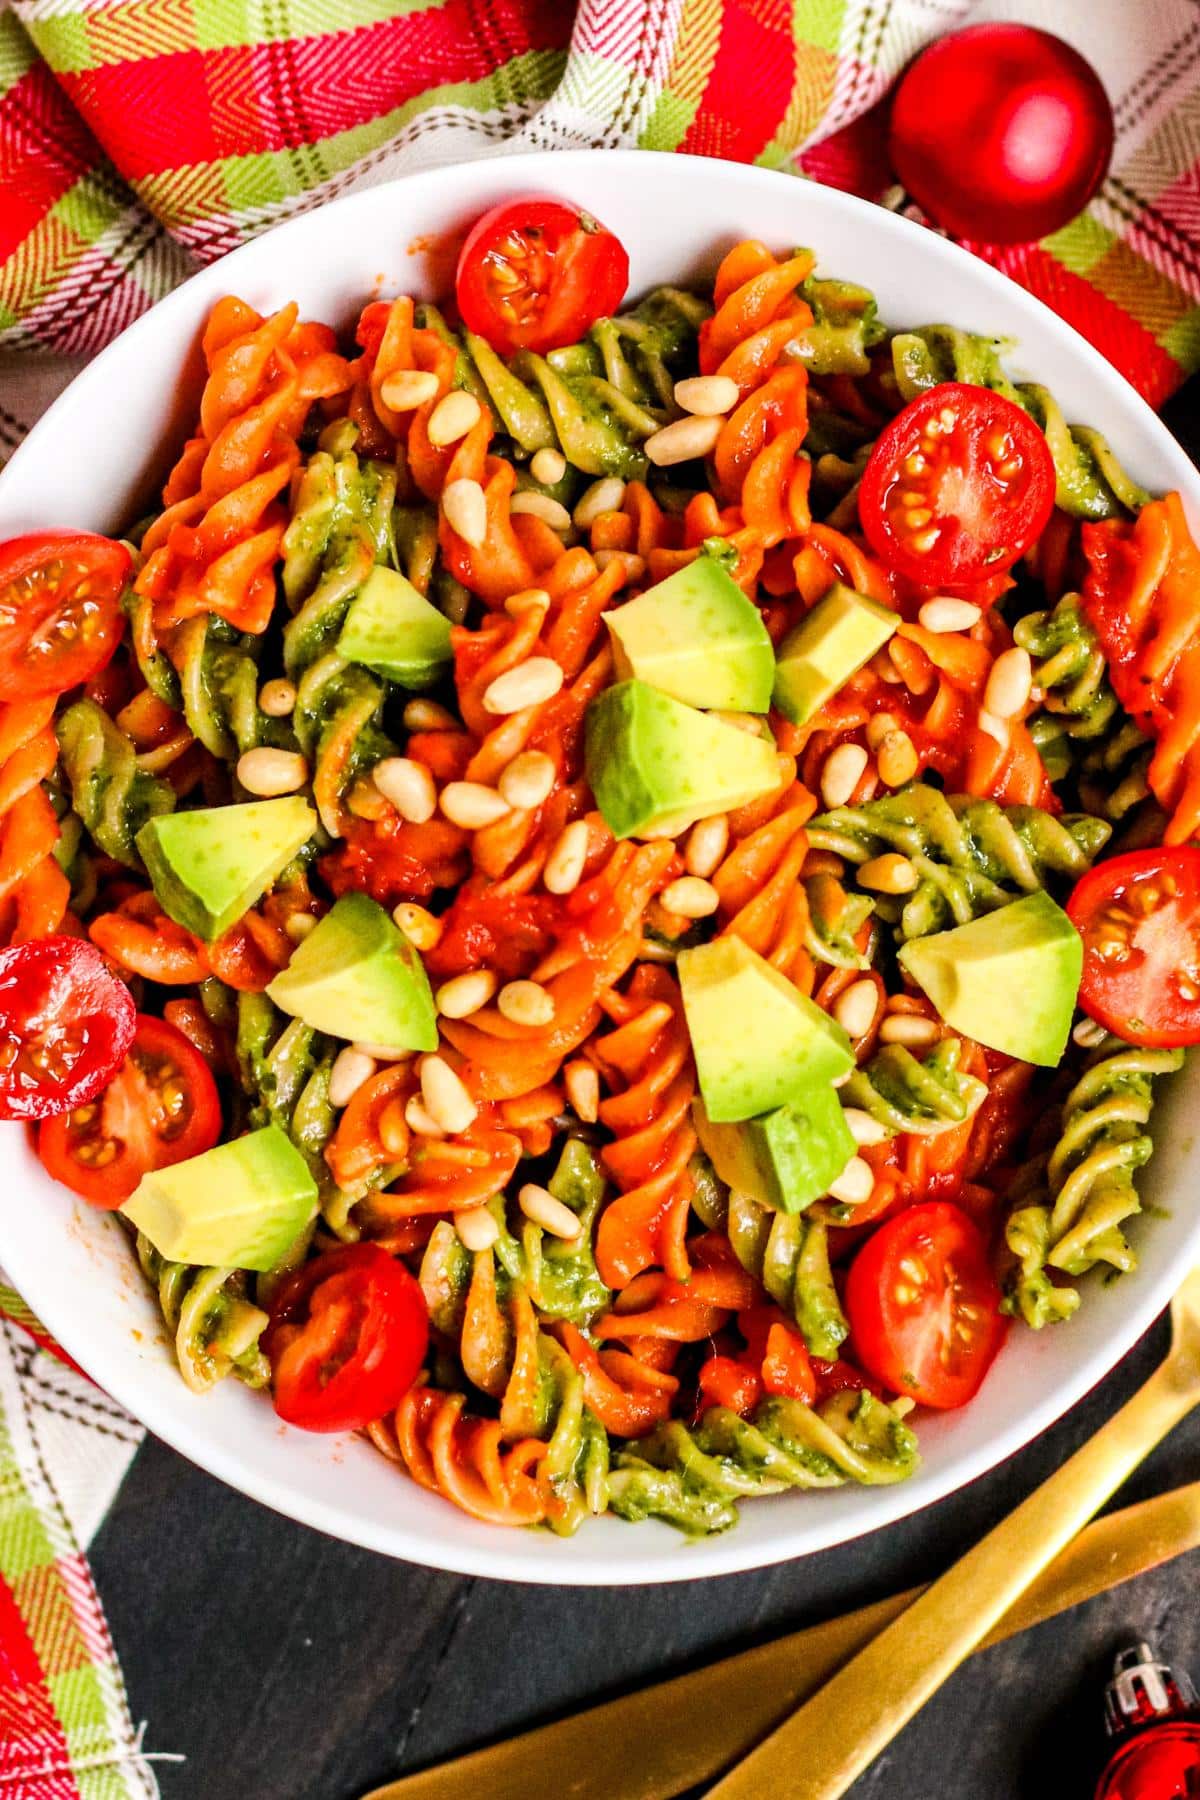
pixel 603 888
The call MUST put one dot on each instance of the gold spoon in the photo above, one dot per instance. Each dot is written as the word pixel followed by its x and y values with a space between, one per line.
pixel 837 1734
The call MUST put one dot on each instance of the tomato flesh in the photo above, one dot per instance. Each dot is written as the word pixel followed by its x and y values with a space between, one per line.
pixel 60 610
pixel 347 1338
pixel 160 1107
pixel 923 1305
pixel 535 274
pixel 1139 918
pixel 65 1023
pixel 958 486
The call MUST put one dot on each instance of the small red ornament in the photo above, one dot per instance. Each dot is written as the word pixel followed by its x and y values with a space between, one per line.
pixel 1151 1712
pixel 1002 133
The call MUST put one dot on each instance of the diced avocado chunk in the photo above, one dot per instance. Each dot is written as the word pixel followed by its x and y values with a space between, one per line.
pixel 758 1041
pixel 1007 979
pixel 696 636
pixel 652 761
pixel 841 633
pixel 241 1205
pixel 394 630
pixel 357 976
pixel 785 1159
pixel 210 865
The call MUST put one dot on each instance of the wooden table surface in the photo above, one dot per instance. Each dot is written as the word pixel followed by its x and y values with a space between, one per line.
pixel 285 1666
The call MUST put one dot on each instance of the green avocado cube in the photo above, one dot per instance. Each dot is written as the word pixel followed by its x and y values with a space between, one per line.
pixel 820 654
pixel 394 630
pixel 1008 979
pixel 759 1043
pixel 653 762
pixel 210 865
pixel 240 1205
pixel 356 976
pixel 696 636
pixel 785 1159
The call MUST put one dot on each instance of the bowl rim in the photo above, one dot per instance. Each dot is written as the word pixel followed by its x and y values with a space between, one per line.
pixel 495 1556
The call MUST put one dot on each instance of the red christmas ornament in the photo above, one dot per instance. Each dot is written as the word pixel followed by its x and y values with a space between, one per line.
pixel 1002 133
pixel 1151 1712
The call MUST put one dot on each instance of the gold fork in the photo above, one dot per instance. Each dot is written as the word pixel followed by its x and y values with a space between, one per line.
pixel 828 1742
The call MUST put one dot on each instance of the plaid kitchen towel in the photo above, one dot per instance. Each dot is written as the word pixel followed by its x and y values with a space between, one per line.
pixel 142 138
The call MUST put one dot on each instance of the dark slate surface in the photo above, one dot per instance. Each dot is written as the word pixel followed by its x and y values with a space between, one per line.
pixel 285 1666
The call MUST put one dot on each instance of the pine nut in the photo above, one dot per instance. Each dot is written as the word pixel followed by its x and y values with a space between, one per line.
pixel 706 845
pixel 452 418
pixel 603 496
pixel 878 727
pixel 477 1228
pixel 565 864
pixel 548 467
pixel 351 1067
pixel 1088 1034
pixel 943 613
pixel 909 1029
pixel 635 566
pixel 888 874
pixel 583 1090
pixel 462 995
pixel 896 759
pixel 996 729
pixel 862 1127
pixel 528 600
pixel 691 897
pixel 682 440
pixel 471 805
pixel 418 1119
pixel 841 773
pixel 269 773
pixel 528 780
pixel 446 1099
pixel 855 1184
pixel 855 1009
pixel 545 507
pixel 298 925
pixel 407 389
pixel 277 698
pixel 526 1003
pixel 707 395
pixel 421 927
pixel 427 715
pixel 751 723
pixel 1008 683
pixel 408 786
pixel 465 509
pixel 538 678
pixel 385 1053
pixel 393 1129
pixel 554 1216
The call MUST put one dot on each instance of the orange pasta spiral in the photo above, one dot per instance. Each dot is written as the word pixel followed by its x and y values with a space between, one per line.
pixel 34 892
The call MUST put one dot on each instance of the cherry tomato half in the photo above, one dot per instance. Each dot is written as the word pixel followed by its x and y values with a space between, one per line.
pixel 160 1107
pixel 535 274
pixel 347 1338
pixel 65 1023
pixel 923 1305
pixel 1139 918
pixel 958 486
pixel 60 610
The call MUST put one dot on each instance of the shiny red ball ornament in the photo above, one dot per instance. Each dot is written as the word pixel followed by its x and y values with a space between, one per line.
pixel 1001 133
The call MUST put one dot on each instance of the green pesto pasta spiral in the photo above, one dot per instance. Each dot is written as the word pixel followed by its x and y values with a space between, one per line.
pixel 971 856
pixel 284 1069
pixel 787 1252
pixel 903 1094
pixel 835 919
pixel 1068 1206
pixel 216 1325
pixel 109 793
pixel 1091 482
pixel 596 401
pixel 845 328
pixel 693 1477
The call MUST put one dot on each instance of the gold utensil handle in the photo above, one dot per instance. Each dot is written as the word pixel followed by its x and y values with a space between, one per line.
pixel 837 1734
pixel 689 1728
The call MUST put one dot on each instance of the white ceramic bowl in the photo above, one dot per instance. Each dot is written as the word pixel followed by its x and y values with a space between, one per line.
pixel 93 461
